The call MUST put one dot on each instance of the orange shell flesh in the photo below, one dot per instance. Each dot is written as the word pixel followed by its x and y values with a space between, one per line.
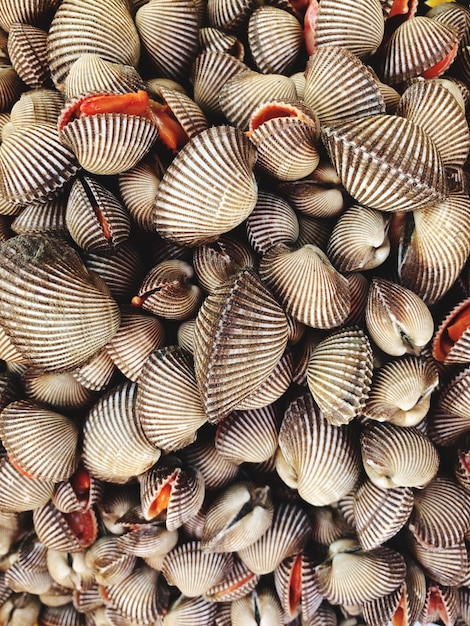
pixel 441 66
pixel 454 329
pixel 83 526
pixel 160 503
pixel 295 587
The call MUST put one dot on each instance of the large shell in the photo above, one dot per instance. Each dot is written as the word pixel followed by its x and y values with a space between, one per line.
pixel 398 457
pixel 66 313
pixel 339 374
pixel 220 197
pixel 309 287
pixel 97 372
pixel 446 566
pixel 11 88
pixel 386 162
pixel 27 49
pixel 230 366
pixel 60 390
pixel 274 387
pixel 316 458
pixel 40 218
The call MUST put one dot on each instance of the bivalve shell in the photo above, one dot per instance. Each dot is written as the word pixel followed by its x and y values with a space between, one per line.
pixel 60 390
pixel 236 584
pixel 138 187
pixel 108 562
pixel 451 340
pixel 450 418
pixel 447 566
pixel 65 532
pixel 11 88
pixel 37 106
pixel 215 469
pixel 229 15
pixel 184 611
pixel 40 218
pixel 262 604
pixel 271 222
pixel 20 493
pixel 296 587
pixel 27 49
pixel 26 12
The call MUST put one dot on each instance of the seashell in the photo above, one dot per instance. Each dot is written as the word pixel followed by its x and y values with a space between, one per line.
pixel 444 114
pixel 401 391
pixel 176 21
pixel 193 570
pixel 223 357
pixel 9 353
pixel 215 469
pixel 446 566
pixel 20 607
pixel 97 372
pixel 398 457
pixel 80 492
pixel 114 445
pixel 65 532
pixel 11 87
pixel 296 587
pixel 37 106
pixel 167 292
pixel 343 24
pixel 275 38
pixel 148 540
pixel 450 343
pixel 216 40
pixel 95 218
pixel 313 199
pixel 171 492
pixel 229 16
pixel 352 576
pixel 27 49
pixel 339 374
pixel 398 320
pixel 380 513
pixel 54 164
pixel 262 604
pixel 392 150
pixel 39 218
pixel 314 231
pixel 60 616
pixel 138 187
pixel 80 28
pixel 20 493
pixel 348 92
pixel 420 46
pixel 168 401
pixel 27 431
pixel 184 110
pixel 239 582
pixel 323 299
pixel 137 337
pixel 26 12
pixel 66 571
pixel 435 249
pixel 185 610
pixel 450 418
pixel 328 525
pixel 271 222
pixel 90 73
pixel 227 197
pixel 248 436
pixel 239 515
pixel 359 290
pixel 442 602
pixel 116 501
pixel 303 430
pixel 286 536
pixel 244 92
pixel 185 335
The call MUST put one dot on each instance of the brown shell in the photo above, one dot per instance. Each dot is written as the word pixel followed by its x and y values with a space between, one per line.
pixel 11 87
pixel 262 603
pixel 451 417
pixel 63 531
pixel 446 566
pixel 296 587
pixel 27 49
pixel 20 493
pixel 444 348
pixel 229 15
pixel 236 584
pixel 40 218
pixel 214 39
pixel 271 222
pixel 37 106
pixel 138 187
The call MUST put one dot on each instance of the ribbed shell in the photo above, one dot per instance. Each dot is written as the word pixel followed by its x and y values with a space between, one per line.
pixel 73 495
pixel 329 524
pixel 105 28
pixel 286 536
pixel 357 25
pixel 65 615
pixel 11 88
pixel 338 86
pixel 135 597
pixel 37 106
pixel 442 602
pixel 148 541
pixel 184 611
pixel 186 112
pixel 20 493
pixel 108 562
pixel 26 11
pixel 386 162
pixel 42 219
pixel 316 458
pixel 109 143
pixel 275 385
pixel 137 337
pixel 231 364
pixel 271 222
pixel 261 604
pixel 444 348
pixel 434 108
pixel 217 40
pixel 415 46
pixel 27 49
pixel 34 165
pixel 22 579
pixel 229 15
pixel 138 187
pixel 248 436
pixel 401 391
pixel 204 177
pixel 296 587
pixel 175 48
pixel 353 577
pixel 397 319
pixel 114 446
pixel 380 513
pixel 308 286
pixel 97 372
pixel 168 401
pixel 236 584
pixel 216 471
pixel 313 199
pixel 194 571
pixel 451 417
pixel 339 374
pixel 446 566
pixel 53 529
pixel 398 457
pixel 275 38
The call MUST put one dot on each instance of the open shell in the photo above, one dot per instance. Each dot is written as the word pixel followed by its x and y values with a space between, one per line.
pixel 451 343
pixel 451 417
pixel 261 603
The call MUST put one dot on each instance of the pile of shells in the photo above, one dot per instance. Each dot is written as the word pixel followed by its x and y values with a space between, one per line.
pixel 234 313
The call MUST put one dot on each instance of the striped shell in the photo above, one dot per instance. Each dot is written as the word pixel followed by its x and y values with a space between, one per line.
pixel 108 562
pixel 451 340
pixel 27 49
pixel 60 390
pixel 451 417
pixel 97 371
pixel 261 603
pixel 296 587
pixel 136 596
pixel 229 15
pixel 219 196
pixel 183 611
pixel 11 88
pixel 447 567
pixel 37 106
pixel 65 532
pixel 215 469
pixel 138 188
pixel 20 493
pixel 40 218
pixel 236 584
pixel 214 39
pixel 26 12
pixel 271 222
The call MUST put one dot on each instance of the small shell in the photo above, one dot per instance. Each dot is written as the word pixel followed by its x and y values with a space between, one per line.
pixel 108 562
pixel 27 49
pixel 451 340
pixel 339 374
pixel 20 493
pixel 148 541
pixel 296 587
pixel 397 319
pixel 185 335
pixel 80 492
pixel 136 596
pixel 185 111
pixel 398 457
pixel 262 604
pixel 329 524
pixel 314 199
pixel 274 387
pixel 236 584
pixel 215 469
pixel 61 390
pixel 65 532
pixel 442 602
pixel 11 87
pixel 40 218
pixel 138 187
pixel 97 372
pixel 271 222
pixel 217 40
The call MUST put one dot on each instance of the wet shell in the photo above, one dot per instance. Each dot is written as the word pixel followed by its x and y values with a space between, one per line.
pixel 20 493
pixel 54 164
pixel 37 106
pixel 136 596
pixel 415 47
pixel 451 340
pixel 236 584
pixel 275 38
pixel 97 372
pixel 442 602
pixel 27 49
pixel 274 387
pixel 398 457
pixel 447 566
pixel 386 162
pixel 339 374
pixel 186 112
pixel 220 197
pixel 222 357
pixel 248 436
pixel 237 518
pixel 138 187
pixel 286 536
pixel 65 532
pixel 184 611
pixel 398 320
pixel 308 286
pixel 296 588
pixel 194 571
pixel 80 492
pixel 42 219
pixel 339 87
pixel 380 513
pixel 176 21
pixel 262 604
pixel 105 28
pixel 316 458
pixel 271 222
pixel 137 337
pixel 229 15
pixel 215 469
pixel 451 417
pixel 168 401
pixel 401 391
pixel 66 316
pixel 11 88
pixel 329 524
pixel 114 445
pixel 352 577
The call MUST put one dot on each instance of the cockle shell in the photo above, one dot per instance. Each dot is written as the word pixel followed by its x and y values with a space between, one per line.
pixel 184 110
pixel 446 566
pixel 37 106
pixel 40 218
pixel 451 417
pixel 262 604
pixel 450 343
pixel 214 39
pixel 80 492
pixel 273 387
pixel 215 469
pixel 272 221
pixel 27 49
pixel 183 611
pixel 236 584
pixel 97 372
pixel 20 493
pixel 65 532
pixel 229 15
pixel 73 318
pixel 26 12
pixel 11 88
pixel 219 198
pixel 296 588
pixel 138 187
